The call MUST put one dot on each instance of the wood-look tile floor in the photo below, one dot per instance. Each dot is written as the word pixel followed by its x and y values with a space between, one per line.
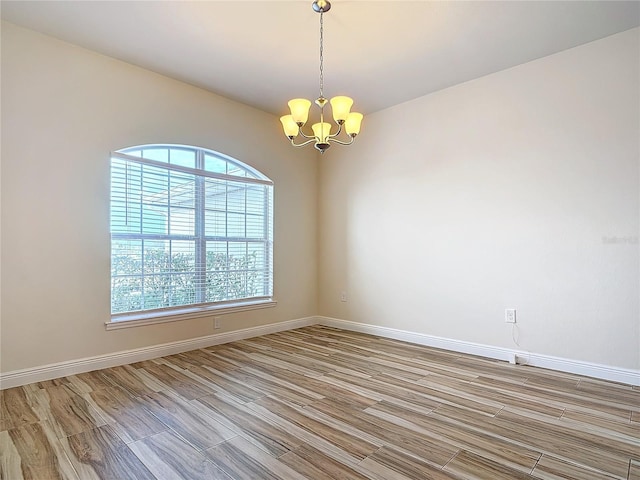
pixel 319 403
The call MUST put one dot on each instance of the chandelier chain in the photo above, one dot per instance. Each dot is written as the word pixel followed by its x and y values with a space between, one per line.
pixel 321 57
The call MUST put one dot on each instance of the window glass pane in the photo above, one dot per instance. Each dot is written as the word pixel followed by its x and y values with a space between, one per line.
pixel 236 170
pixel 126 294
pixel 182 189
pixel 183 255
pixel 217 265
pixel 257 251
pixel 255 199
pixel 255 226
pixel 155 291
pixel 126 257
pixel 182 221
pixel 183 262
pixel 183 289
pixel 126 275
pixel 155 201
pixel 154 219
pixel 256 266
pixel 215 223
pixel 237 249
pixel 158 154
pixel 156 257
pixel 134 153
pixel 238 265
pixel 235 225
pixel 215 194
pixel 154 184
pixel 215 164
pixel 163 260
pixel 125 197
pixel 182 157
pixel 236 201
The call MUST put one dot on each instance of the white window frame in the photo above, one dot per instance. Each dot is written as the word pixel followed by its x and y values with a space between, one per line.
pixel 201 309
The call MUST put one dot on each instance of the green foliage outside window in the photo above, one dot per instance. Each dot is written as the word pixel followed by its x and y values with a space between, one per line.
pixel 168 279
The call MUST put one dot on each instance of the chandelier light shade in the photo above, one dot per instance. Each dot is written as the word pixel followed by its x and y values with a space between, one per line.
pixel 321 133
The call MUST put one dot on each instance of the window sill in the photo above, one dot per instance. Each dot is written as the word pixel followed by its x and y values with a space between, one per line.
pixel 131 320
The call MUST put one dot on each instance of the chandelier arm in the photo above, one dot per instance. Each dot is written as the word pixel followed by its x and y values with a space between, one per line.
pixel 305 135
pixel 337 133
pixel 303 143
pixel 335 140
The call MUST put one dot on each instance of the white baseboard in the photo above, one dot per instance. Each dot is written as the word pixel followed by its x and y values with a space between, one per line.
pixel 605 372
pixel 56 370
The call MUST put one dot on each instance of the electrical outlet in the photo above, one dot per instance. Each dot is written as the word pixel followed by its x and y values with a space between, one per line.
pixel 510 315
pixel 216 323
pixel 343 296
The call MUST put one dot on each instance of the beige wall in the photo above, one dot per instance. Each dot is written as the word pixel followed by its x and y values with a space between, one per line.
pixel 63 110
pixel 515 190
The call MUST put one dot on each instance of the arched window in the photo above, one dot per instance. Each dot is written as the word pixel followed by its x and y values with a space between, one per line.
pixel 191 232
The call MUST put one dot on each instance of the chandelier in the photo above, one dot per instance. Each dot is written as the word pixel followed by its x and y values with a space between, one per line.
pixel 321 135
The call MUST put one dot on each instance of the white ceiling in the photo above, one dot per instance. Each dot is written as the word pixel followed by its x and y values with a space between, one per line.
pixel 381 53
